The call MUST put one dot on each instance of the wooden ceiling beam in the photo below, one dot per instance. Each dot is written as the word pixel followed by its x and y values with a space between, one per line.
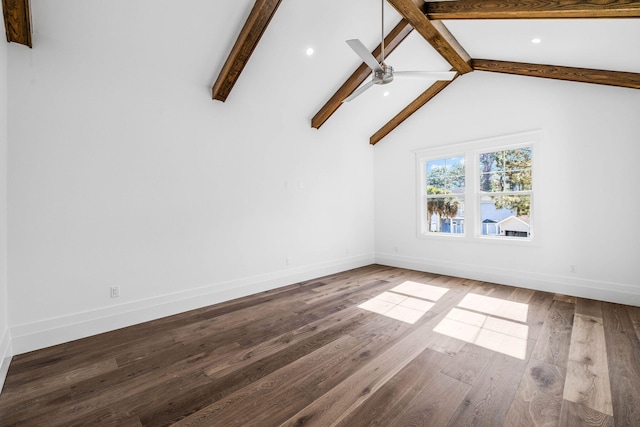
pixel 532 9
pixel 435 33
pixel 17 21
pixel 414 106
pixel 391 41
pixel 254 28
pixel 583 75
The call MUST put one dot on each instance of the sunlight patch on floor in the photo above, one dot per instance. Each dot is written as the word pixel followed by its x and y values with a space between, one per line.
pixel 407 302
pixel 498 307
pixel 420 290
pixel 489 325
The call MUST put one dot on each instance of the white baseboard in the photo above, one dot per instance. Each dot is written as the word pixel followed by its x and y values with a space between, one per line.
pixel 33 336
pixel 5 356
pixel 604 291
pixel 45 333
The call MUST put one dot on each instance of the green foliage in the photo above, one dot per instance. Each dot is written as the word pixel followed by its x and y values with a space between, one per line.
pixel 445 207
pixel 446 178
pixel 520 204
pixel 508 170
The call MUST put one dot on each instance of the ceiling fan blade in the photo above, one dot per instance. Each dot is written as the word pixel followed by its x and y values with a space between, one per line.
pixel 361 50
pixel 359 91
pixel 433 75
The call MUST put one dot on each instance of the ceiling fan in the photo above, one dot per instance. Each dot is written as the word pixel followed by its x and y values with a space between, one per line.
pixel 383 73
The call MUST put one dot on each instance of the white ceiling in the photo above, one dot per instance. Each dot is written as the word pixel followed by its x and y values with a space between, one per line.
pixel 190 40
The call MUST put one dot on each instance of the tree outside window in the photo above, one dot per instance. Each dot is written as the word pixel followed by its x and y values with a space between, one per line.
pixel 505 192
pixel 445 186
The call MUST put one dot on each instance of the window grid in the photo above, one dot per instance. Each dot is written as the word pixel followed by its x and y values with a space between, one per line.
pixel 494 199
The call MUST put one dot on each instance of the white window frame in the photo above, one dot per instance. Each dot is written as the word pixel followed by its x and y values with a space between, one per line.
pixel 471 151
pixel 424 221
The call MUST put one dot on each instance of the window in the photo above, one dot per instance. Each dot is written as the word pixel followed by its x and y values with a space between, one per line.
pixel 505 192
pixel 444 193
pixel 492 179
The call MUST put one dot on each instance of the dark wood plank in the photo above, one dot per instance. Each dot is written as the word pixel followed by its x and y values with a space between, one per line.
pixel 338 403
pixel 250 35
pixel 432 406
pixel 539 306
pixel 616 318
pixel 634 315
pixel 385 405
pixel 553 343
pixel 589 307
pixel 209 385
pixel 573 74
pixel 531 9
pixel 468 363
pixel 406 112
pixel 391 41
pixel 293 387
pixel 538 400
pixel 564 298
pixel 17 21
pixel 435 34
pixel 489 399
pixel 587 379
pixel 574 414
pixel 623 355
pixel 55 381
pixel 202 387
pixel 276 388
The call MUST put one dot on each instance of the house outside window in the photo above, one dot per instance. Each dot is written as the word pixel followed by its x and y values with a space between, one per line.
pixel 478 190
pixel 505 190
pixel 444 193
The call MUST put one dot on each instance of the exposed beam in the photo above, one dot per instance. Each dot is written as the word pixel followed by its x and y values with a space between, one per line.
pixel 254 28
pixel 17 21
pixel 584 75
pixel 435 33
pixel 414 106
pixel 391 41
pixel 532 9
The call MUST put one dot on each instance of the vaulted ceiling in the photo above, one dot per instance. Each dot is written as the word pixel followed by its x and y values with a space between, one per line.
pixel 427 19
pixel 586 41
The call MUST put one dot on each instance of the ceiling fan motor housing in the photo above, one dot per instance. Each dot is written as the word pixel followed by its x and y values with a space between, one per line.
pixel 384 76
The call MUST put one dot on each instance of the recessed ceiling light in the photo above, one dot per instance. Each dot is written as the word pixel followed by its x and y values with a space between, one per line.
pixel 536 40
pixel 309 51
pixel 386 93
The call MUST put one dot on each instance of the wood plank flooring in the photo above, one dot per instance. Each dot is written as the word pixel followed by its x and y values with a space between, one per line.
pixel 374 346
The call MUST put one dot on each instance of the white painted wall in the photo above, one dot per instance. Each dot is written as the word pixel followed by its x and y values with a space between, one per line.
pixel 5 340
pixel 586 206
pixel 124 172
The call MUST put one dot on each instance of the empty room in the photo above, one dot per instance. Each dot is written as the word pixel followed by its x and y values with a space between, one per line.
pixel 320 213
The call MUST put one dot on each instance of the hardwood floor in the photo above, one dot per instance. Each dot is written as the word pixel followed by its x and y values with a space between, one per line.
pixel 320 353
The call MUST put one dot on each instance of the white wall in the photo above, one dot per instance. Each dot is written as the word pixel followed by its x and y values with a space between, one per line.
pixel 5 340
pixel 124 172
pixel 586 204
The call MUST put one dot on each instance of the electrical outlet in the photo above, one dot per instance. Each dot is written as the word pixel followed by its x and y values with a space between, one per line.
pixel 573 268
pixel 114 291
